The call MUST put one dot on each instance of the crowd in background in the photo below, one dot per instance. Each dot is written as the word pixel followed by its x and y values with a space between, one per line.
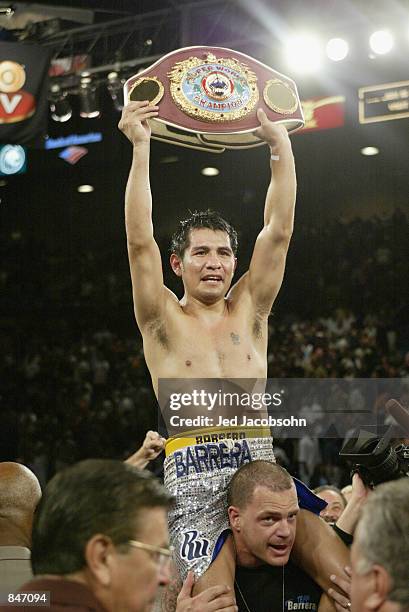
pixel 74 383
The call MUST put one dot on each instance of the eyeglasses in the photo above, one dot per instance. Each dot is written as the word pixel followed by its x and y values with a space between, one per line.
pixel 162 556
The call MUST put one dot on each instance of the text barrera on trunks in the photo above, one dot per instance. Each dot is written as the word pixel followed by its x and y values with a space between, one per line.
pixel 208 98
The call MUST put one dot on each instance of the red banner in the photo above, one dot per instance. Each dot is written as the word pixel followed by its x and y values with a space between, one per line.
pixel 323 113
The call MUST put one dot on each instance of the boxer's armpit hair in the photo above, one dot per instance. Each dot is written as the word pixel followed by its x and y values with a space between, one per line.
pixel 257 329
pixel 157 329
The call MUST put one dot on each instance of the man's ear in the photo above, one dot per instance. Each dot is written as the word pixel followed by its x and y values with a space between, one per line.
pixel 382 585
pixel 234 517
pixel 235 265
pixel 98 556
pixel 176 264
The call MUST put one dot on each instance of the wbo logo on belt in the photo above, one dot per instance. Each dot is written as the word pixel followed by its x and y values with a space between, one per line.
pixel 213 90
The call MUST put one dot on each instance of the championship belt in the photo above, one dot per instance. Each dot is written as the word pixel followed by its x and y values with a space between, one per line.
pixel 208 98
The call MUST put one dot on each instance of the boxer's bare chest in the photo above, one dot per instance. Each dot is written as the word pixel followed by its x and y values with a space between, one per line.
pixel 229 346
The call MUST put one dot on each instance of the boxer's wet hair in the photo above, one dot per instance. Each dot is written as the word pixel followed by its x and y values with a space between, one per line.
pixel 208 219
pixel 252 475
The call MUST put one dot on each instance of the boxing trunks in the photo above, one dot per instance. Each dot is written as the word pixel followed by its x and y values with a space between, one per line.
pixel 198 469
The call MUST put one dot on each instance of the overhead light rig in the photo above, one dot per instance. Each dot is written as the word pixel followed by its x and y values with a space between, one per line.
pixel 118 48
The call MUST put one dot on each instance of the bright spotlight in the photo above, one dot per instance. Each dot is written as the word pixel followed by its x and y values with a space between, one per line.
pixel 304 53
pixel 368 151
pixel 85 188
pixel 381 42
pixel 210 171
pixel 337 49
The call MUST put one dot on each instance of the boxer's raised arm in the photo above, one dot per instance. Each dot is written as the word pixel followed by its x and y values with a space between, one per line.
pixel 144 255
pixel 267 264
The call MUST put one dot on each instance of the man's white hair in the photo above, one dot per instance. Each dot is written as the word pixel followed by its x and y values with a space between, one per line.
pixel 382 536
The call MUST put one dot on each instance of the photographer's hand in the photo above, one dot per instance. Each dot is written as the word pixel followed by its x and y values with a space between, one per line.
pixel 350 516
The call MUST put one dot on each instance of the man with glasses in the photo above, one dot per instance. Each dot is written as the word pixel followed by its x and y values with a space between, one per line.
pixel 379 574
pixel 100 543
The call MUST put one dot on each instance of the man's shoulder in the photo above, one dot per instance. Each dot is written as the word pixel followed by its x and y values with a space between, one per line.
pixel 19 553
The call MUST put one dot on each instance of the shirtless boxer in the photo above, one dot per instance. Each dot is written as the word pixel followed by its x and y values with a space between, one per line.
pixel 213 332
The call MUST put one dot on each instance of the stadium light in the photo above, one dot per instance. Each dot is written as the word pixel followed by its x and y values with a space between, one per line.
pixel 381 42
pixel 210 171
pixel 59 105
pixel 85 188
pixel 337 49
pixel 304 53
pixel 89 107
pixel 369 151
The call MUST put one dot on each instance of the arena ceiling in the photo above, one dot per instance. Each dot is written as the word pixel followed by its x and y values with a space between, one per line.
pixel 332 173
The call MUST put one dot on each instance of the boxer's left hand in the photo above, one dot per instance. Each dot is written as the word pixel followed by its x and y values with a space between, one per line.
pixel 274 134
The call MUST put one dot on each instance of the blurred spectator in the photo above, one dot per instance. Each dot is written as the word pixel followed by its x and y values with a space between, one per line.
pixel 336 502
pixel 74 380
pixel 380 573
pixel 100 538
pixel 20 493
pixel 379 578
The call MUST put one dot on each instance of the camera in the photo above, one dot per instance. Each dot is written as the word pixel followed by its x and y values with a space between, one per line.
pixel 376 459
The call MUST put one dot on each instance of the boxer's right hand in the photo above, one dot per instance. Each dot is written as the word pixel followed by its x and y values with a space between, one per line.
pixel 134 121
pixel 214 599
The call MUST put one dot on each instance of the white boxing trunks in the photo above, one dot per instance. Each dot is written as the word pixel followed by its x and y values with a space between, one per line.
pixel 198 470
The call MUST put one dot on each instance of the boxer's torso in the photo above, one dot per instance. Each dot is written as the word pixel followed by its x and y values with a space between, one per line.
pixel 232 344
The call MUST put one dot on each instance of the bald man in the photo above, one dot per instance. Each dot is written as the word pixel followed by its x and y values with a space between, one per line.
pixel 336 502
pixel 20 493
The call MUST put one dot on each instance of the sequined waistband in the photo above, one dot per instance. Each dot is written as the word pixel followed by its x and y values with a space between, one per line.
pixel 206 436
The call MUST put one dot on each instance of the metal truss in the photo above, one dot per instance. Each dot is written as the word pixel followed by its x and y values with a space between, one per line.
pixel 125 43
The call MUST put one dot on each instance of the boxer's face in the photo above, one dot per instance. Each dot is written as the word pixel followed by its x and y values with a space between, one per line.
pixel 267 526
pixel 207 266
